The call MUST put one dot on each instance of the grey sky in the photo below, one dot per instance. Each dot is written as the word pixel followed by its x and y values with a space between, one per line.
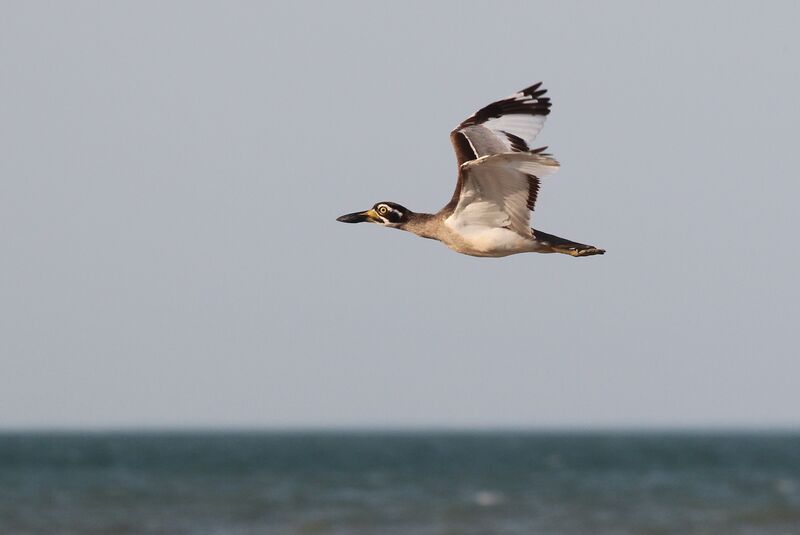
pixel 170 174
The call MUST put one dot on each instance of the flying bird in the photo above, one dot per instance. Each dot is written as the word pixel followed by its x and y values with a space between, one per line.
pixel 498 180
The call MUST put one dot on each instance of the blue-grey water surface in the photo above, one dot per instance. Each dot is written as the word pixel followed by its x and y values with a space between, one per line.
pixel 399 483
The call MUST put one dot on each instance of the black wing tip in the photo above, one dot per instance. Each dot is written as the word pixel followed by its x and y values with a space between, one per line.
pixel 533 90
pixel 538 94
pixel 536 104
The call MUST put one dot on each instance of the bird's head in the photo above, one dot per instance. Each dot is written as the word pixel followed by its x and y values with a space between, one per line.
pixel 388 214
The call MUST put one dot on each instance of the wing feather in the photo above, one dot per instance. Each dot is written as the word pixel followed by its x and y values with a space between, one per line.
pixel 500 190
pixel 505 126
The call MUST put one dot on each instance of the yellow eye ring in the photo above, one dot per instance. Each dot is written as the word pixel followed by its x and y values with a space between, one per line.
pixel 382 210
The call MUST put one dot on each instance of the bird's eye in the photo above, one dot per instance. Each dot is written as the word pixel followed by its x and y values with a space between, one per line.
pixel 382 210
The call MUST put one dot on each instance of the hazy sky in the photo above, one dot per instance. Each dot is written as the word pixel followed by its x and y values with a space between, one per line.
pixel 170 175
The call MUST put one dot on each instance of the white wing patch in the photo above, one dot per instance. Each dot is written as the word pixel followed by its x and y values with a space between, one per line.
pixel 524 127
pixel 537 164
pixel 507 125
pixel 498 191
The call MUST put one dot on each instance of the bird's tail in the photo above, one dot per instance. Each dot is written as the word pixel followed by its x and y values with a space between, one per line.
pixel 560 245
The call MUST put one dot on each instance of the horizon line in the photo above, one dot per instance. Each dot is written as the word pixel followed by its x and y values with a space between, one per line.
pixel 397 429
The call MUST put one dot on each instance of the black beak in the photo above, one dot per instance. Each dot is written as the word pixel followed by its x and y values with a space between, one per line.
pixel 359 217
pixel 356 217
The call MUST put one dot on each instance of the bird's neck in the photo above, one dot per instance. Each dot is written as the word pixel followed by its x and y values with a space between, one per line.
pixel 423 225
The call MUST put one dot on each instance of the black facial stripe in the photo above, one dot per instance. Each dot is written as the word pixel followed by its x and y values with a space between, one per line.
pixel 394 216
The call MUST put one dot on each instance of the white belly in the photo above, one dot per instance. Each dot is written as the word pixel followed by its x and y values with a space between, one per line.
pixel 479 240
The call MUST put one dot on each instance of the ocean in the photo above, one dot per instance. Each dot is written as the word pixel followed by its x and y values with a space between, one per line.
pixel 415 483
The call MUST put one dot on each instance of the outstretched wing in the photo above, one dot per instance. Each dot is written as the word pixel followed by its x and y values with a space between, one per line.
pixel 508 125
pixel 499 190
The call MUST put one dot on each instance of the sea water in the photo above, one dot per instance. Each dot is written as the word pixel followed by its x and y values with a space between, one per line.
pixel 400 483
